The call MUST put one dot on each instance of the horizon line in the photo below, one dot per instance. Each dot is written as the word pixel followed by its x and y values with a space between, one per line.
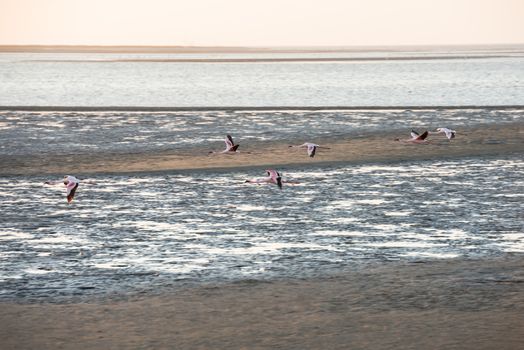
pixel 229 48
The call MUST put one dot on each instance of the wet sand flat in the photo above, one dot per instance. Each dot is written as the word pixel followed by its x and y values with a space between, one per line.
pixel 491 140
pixel 451 304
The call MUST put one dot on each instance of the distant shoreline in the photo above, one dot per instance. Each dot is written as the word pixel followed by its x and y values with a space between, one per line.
pixel 244 108
pixel 279 60
pixel 240 49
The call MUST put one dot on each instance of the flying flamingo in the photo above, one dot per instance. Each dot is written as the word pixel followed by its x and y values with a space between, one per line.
pixel 230 146
pixel 273 177
pixel 71 183
pixel 416 137
pixel 450 134
pixel 311 148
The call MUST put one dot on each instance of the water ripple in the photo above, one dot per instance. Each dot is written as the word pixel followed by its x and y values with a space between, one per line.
pixel 129 232
pixel 132 232
pixel 113 132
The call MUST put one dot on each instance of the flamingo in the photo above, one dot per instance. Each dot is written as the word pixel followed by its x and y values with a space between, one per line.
pixel 273 177
pixel 230 146
pixel 71 184
pixel 450 134
pixel 416 137
pixel 311 148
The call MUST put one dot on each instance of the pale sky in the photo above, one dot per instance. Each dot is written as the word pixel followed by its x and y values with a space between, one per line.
pixel 261 22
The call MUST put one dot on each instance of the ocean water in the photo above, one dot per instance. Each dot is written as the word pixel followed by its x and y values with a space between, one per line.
pixel 103 80
pixel 146 232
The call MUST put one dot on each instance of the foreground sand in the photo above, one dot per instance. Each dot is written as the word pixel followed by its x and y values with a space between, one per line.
pixel 489 140
pixel 449 304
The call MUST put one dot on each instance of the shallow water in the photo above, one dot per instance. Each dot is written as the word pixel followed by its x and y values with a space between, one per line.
pixel 137 233
pixel 29 133
pixel 51 80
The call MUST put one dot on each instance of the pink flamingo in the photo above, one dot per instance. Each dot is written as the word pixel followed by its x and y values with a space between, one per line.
pixel 71 184
pixel 450 134
pixel 311 148
pixel 416 137
pixel 230 146
pixel 273 177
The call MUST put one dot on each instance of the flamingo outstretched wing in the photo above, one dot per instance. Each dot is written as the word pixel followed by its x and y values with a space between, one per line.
pixel 275 177
pixel 449 133
pixel 229 142
pixel 423 136
pixel 311 149
pixel 71 190
pixel 414 134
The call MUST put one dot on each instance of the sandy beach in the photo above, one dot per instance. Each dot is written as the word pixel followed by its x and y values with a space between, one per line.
pixel 448 304
pixel 489 140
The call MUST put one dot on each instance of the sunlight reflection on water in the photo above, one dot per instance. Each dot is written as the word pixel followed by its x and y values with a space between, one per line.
pixel 171 227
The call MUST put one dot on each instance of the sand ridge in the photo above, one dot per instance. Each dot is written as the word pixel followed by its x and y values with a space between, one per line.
pixel 489 140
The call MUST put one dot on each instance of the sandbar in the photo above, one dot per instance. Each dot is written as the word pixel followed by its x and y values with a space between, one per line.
pixel 478 141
